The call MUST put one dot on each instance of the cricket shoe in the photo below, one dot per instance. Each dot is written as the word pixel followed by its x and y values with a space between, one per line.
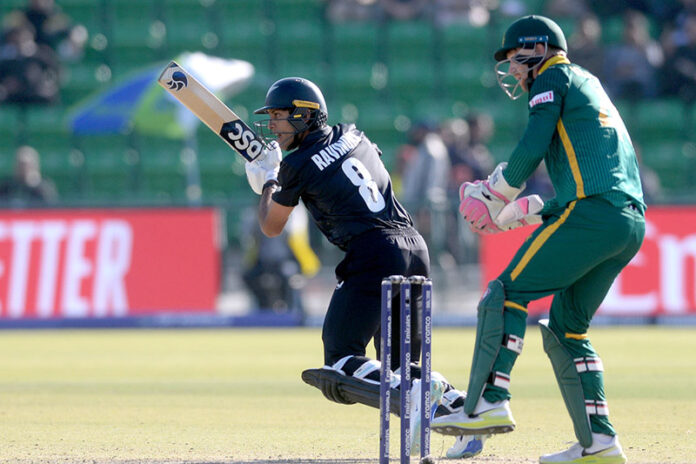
pixel 605 449
pixel 438 385
pixel 467 446
pixel 488 418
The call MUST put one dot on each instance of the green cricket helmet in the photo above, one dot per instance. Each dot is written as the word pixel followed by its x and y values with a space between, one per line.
pixel 528 30
pixel 526 33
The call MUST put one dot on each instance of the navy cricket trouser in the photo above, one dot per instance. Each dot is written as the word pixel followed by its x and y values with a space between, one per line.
pixel 353 316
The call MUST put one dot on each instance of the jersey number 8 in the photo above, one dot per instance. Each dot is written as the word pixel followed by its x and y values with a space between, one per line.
pixel 361 178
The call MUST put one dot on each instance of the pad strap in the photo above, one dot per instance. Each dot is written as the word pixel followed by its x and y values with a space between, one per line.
pixel 500 379
pixel 588 364
pixel 596 407
pixel 513 343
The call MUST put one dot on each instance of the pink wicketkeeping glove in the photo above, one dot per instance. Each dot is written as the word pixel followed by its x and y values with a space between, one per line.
pixel 476 210
pixel 482 202
pixel 521 212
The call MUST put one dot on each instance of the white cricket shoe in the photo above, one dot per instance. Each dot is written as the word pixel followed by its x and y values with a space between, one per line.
pixel 467 446
pixel 438 385
pixel 605 449
pixel 488 418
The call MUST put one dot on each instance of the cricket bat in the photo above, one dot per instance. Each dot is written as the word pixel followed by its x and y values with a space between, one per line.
pixel 209 109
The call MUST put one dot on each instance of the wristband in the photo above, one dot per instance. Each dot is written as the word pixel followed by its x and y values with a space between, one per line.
pixel 269 183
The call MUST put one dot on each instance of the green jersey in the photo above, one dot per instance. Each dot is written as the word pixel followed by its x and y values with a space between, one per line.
pixel 574 127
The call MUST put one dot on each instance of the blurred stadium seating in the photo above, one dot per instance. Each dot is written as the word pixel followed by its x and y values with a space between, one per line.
pixel 373 73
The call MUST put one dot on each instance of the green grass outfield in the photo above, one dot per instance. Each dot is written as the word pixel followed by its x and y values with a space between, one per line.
pixel 202 396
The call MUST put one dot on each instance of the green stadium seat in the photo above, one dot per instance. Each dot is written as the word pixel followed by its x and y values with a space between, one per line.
pixel 137 35
pixel 374 116
pixel 299 51
pixel 220 160
pixel 354 42
pixel 411 81
pixel 108 175
pixel 247 40
pixel 410 40
pixel 293 11
pixel 9 126
pixel 658 119
pixel 510 120
pixel 7 6
pixel 612 29
pixel 673 161
pixel 85 12
pixel 133 22
pixel 463 42
pixel 45 125
pixel 355 80
pixel 79 82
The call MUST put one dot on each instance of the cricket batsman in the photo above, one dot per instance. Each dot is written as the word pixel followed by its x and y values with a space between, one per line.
pixel 338 174
pixel 590 231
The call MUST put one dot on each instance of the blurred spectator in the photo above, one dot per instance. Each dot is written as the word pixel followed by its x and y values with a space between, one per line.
pixel 584 46
pixel 466 142
pixel 52 28
pixel 403 10
pixel 481 130
pixel 630 69
pixel 29 72
pixel 425 170
pixel 476 13
pixel 426 166
pixel 566 8
pixel 275 267
pixel 27 186
pixel 339 11
pixel 456 136
pixel 658 10
pixel 680 69
pixel 604 9
pixel 675 34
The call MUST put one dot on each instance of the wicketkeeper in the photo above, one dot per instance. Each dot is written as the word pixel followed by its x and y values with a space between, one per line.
pixel 338 174
pixel 590 231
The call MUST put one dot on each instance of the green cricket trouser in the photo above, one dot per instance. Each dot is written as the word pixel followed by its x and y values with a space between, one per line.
pixel 575 255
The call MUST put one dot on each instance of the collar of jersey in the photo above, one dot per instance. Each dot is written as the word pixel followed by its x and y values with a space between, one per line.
pixel 315 135
pixel 558 59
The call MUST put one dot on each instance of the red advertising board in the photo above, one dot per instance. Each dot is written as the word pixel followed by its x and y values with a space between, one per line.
pixel 106 263
pixel 660 280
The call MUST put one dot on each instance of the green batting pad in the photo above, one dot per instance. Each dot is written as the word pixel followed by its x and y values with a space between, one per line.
pixel 489 337
pixel 569 382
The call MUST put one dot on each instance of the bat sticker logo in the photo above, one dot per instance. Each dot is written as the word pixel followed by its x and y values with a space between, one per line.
pixel 242 138
pixel 178 81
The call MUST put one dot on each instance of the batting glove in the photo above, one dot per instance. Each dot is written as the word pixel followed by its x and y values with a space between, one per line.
pixel 270 157
pixel 264 168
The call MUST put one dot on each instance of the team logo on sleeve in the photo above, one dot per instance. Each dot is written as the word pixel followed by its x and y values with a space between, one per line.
pixel 544 97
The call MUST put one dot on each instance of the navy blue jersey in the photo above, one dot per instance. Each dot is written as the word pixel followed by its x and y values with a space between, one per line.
pixel 338 174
